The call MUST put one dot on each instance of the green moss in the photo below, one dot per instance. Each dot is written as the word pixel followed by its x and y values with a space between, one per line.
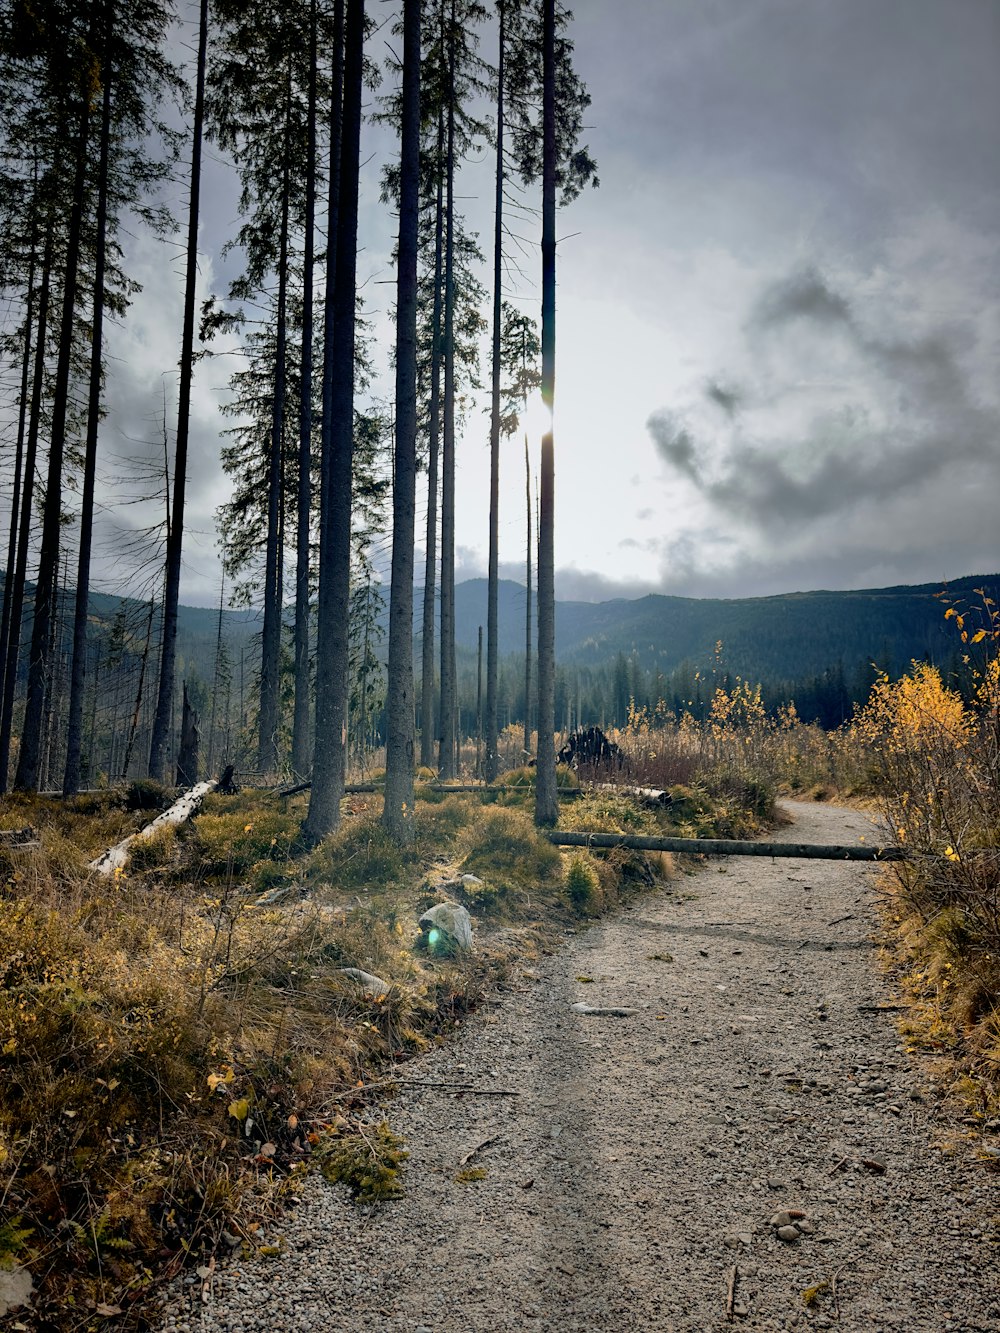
pixel 369 1162
pixel 469 1174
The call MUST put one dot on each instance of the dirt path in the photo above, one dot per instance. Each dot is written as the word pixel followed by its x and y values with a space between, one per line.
pixel 645 1156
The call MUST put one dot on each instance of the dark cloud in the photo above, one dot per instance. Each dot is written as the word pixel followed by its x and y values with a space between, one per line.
pixel 674 443
pixel 802 295
pixel 726 396
pixel 911 421
pixel 862 566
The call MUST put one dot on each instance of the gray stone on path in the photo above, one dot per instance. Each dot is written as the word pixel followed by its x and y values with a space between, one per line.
pixel 368 981
pixel 448 928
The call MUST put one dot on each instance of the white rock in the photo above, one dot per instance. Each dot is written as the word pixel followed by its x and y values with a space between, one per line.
pixel 448 927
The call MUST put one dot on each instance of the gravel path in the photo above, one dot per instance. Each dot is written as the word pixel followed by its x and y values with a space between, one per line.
pixel 647 1156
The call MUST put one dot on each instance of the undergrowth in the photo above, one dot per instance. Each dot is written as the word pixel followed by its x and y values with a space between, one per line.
pixel 935 751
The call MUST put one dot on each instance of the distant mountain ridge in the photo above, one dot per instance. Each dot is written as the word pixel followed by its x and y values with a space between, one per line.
pixel 789 636
pixel 786 636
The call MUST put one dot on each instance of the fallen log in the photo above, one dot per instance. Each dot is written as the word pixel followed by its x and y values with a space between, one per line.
pixel 359 788
pixel 19 837
pixel 730 847
pixel 651 797
pixel 495 789
pixel 181 810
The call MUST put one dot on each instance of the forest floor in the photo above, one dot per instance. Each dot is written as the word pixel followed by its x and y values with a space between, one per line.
pixel 616 1173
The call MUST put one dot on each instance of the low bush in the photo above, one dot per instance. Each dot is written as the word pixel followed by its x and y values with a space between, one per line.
pixel 583 885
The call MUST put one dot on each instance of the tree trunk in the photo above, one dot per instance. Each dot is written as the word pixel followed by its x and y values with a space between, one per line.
pixel 546 798
pixel 300 718
pixel 78 671
pixel 6 619
pixel 329 309
pixel 30 756
pixel 175 537
pixel 399 748
pixel 492 650
pixel 527 610
pixel 181 810
pixel 332 647
pixel 143 662
pixel 187 757
pixel 216 675
pixel 446 760
pixel 427 728
pixel 267 734
pixel 731 847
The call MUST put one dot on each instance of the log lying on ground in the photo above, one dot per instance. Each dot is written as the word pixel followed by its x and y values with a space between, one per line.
pixel 647 796
pixel 730 847
pixel 495 789
pixel 19 837
pixel 181 810
pixel 358 788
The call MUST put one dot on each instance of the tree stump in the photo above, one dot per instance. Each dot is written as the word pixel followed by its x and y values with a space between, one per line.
pixel 187 759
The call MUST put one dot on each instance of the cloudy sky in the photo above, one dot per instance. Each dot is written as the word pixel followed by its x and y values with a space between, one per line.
pixel 778 316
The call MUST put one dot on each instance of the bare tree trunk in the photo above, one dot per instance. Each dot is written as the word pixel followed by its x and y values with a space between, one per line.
pixel 427 728
pixel 335 538
pixel 187 758
pixel 15 497
pixel 446 760
pixel 31 754
pixel 399 748
pixel 546 798
pixel 527 612
pixel 492 651
pixel 27 498
pixel 216 671
pixel 78 671
pixel 300 719
pixel 144 660
pixel 175 537
pixel 270 663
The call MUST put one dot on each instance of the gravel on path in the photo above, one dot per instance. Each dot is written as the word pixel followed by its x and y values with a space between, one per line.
pixel 758 1113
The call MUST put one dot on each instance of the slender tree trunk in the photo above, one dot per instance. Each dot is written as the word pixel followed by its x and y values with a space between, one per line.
pixel 15 497
pixel 27 498
pixel 300 719
pixel 53 693
pixel 267 738
pixel 399 747
pixel 527 611
pixel 427 728
pixel 335 539
pixel 492 647
pixel 330 284
pixel 446 760
pixel 216 674
pixel 78 671
pixel 143 661
pixel 31 754
pixel 171 590
pixel 479 705
pixel 546 798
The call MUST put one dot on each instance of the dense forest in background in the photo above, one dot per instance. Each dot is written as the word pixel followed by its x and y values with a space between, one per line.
pixel 820 650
